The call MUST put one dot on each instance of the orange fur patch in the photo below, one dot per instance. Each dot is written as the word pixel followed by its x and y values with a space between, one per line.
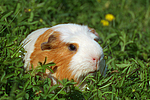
pixel 56 51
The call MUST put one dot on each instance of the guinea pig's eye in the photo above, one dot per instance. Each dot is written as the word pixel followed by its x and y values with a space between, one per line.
pixel 72 47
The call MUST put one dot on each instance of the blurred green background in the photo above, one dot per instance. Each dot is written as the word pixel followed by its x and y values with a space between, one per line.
pixel 125 40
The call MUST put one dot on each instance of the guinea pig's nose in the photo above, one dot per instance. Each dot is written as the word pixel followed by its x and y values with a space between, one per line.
pixel 95 59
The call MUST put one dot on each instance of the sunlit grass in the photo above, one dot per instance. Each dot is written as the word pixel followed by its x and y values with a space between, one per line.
pixel 123 26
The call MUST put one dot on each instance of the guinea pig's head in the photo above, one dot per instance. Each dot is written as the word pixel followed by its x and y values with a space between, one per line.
pixel 74 49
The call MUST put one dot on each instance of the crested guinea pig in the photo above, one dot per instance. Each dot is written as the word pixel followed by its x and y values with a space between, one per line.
pixel 73 48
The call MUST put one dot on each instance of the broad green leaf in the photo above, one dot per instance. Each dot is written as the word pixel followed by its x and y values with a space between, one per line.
pixel 17 9
pixel 63 92
pixel 20 95
pixel 53 87
pixel 31 17
pixel 26 84
pixel 129 42
pixel 105 85
pixel 141 64
pixel 2 77
pixel 123 65
pixel 120 83
pixel 10 75
pixel 110 36
pixel 27 96
pixel 125 69
pixel 105 80
pixel 6 15
pixel 108 62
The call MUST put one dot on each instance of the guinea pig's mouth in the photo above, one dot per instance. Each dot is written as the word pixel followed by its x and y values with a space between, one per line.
pixel 97 67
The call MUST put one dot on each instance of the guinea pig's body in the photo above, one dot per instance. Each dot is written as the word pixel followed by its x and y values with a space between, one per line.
pixel 73 48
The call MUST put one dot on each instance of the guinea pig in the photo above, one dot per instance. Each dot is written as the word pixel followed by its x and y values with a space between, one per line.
pixel 73 48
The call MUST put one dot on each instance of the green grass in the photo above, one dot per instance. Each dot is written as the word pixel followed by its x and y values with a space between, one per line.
pixel 126 44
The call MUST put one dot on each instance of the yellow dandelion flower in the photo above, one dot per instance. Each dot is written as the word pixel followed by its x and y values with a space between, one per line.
pixel 105 22
pixel 109 17
pixel 133 90
pixel 29 10
pixel 41 20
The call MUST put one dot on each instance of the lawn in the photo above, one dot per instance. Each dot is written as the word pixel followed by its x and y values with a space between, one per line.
pixel 125 40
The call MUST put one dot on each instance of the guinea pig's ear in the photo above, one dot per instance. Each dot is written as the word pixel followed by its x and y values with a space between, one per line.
pixel 52 42
pixel 95 33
